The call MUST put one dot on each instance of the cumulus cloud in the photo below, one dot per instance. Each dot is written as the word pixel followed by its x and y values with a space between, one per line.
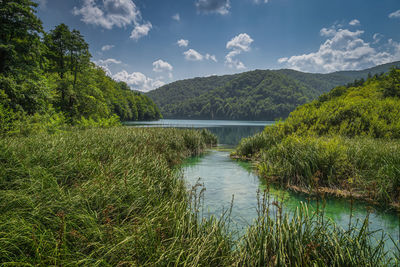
pixel 213 6
pixel 395 14
pixel 138 81
pixel 105 64
pixel 161 66
pixel 112 13
pixel 176 17
pixel 141 30
pixel 182 43
pixel 354 22
pixel 107 47
pixel 193 55
pixel 343 50
pixel 240 42
pixel 260 1
pixel 237 45
pixel 327 31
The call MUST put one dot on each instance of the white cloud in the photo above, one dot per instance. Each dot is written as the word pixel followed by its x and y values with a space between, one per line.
pixel 213 6
pixel 161 66
pixel 395 14
pixel 237 45
pixel 211 57
pixel 176 17
pixel 343 50
pixel 108 61
pixel 327 31
pixel 105 64
pixel 119 13
pixel 354 22
pixel 107 47
pixel 240 42
pixel 113 13
pixel 231 62
pixel 141 31
pixel 182 43
pixel 193 55
pixel 260 1
pixel 138 81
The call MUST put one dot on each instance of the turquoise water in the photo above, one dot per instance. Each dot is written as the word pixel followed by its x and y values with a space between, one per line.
pixel 223 178
pixel 229 132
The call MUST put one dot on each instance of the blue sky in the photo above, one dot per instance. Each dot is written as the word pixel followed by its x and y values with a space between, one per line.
pixel 148 43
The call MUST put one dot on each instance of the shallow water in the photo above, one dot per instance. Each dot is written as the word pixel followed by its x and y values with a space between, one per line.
pixel 223 178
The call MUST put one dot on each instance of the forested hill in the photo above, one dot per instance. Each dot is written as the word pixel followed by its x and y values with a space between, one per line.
pixel 47 79
pixel 253 95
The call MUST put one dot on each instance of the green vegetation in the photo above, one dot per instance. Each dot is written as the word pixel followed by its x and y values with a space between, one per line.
pixel 253 95
pixel 47 80
pixel 347 140
pixel 104 197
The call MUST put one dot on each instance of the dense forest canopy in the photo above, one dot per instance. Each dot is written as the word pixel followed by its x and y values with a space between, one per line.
pixel 47 78
pixel 253 95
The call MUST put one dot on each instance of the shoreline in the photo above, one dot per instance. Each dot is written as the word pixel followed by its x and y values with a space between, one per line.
pixel 333 192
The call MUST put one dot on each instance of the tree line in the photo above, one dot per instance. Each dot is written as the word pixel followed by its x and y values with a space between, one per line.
pixel 48 79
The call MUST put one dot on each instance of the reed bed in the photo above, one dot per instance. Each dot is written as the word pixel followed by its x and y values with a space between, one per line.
pixel 114 197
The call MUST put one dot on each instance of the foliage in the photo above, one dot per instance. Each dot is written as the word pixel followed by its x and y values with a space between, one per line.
pixel 307 238
pixel 109 197
pixel 253 95
pixel 112 121
pixel 367 110
pixel 43 74
pixel 369 168
pixel 347 139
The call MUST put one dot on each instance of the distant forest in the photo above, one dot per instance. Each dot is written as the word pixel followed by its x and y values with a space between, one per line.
pixel 47 79
pixel 253 95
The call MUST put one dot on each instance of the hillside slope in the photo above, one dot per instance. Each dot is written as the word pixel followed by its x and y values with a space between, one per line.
pixel 345 143
pixel 253 95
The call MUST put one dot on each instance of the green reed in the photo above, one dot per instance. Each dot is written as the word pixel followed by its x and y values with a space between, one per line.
pixel 113 197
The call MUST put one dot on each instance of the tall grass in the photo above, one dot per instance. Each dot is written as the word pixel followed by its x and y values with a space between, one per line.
pixel 368 167
pixel 112 197
pixel 307 238
pixel 102 197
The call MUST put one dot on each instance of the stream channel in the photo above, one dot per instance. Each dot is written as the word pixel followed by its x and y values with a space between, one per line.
pixel 224 177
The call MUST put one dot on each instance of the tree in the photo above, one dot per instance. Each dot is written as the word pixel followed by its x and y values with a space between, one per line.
pixel 19 36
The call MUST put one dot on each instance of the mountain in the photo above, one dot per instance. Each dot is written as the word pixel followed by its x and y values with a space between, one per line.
pixel 253 95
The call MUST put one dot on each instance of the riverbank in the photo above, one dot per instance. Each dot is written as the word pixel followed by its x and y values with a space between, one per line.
pixel 360 168
pixel 114 197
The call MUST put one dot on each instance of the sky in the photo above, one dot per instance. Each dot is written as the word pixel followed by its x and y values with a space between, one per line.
pixel 149 43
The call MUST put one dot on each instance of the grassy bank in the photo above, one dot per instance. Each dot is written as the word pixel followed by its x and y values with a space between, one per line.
pixel 102 196
pixel 364 167
pixel 346 142
pixel 112 197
